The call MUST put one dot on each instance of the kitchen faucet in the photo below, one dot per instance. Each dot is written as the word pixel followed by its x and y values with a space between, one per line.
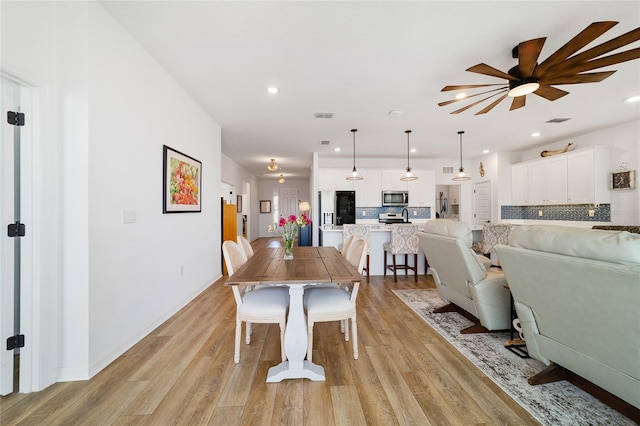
pixel 404 210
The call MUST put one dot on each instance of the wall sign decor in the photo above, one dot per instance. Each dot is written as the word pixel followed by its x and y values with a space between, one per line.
pixel 181 182
pixel 265 206
pixel 622 180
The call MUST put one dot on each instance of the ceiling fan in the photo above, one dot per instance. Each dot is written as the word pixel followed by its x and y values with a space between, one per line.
pixel 560 68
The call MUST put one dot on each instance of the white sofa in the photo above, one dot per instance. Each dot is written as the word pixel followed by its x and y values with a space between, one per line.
pixel 577 295
pixel 463 278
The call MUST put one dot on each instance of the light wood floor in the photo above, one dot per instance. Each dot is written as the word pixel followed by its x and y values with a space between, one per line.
pixel 183 373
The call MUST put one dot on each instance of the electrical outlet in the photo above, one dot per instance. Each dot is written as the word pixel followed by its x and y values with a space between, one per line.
pixel 415 213
pixel 128 216
pixel 592 213
pixel 181 270
pixel 540 213
pixel 364 213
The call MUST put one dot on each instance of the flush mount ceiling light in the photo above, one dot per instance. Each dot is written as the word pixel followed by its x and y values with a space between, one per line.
pixel 272 89
pixel 461 174
pixel 408 175
pixel 272 166
pixel 354 173
pixel 281 179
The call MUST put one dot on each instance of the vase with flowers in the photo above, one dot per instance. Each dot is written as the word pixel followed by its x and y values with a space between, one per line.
pixel 288 228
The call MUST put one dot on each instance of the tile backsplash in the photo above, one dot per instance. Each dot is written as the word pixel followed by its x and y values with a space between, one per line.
pixel 373 212
pixel 577 212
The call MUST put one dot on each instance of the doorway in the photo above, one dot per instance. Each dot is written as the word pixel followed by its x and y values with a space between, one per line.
pixel 482 203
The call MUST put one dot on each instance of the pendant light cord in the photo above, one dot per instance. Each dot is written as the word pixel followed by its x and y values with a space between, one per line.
pixel 460 133
pixel 408 132
pixel 354 148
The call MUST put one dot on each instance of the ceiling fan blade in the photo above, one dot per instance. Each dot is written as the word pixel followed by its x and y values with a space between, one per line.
pixel 489 70
pixel 528 53
pixel 601 49
pixel 467 86
pixel 593 77
pixel 458 111
pixel 491 105
pixel 583 38
pixel 470 96
pixel 605 61
pixel 550 93
pixel 518 102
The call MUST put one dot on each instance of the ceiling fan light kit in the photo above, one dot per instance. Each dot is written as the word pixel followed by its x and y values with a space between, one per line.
pixel 408 175
pixel 564 66
pixel 354 173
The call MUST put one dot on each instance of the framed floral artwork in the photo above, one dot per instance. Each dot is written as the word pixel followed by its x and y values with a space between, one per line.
pixel 181 183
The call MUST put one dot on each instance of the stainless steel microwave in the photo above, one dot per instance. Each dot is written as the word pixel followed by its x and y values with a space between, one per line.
pixel 395 198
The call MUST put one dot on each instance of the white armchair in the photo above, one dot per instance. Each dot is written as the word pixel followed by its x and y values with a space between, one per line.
pixel 462 277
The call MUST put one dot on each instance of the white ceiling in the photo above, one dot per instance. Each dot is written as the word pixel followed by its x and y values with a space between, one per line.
pixel 361 60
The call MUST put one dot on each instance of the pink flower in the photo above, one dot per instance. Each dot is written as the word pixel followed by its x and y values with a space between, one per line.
pixel 292 218
pixel 282 221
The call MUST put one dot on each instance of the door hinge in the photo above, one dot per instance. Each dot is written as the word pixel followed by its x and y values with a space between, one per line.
pixel 16 230
pixel 15 118
pixel 15 342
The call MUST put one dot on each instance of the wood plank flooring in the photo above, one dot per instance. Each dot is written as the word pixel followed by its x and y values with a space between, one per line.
pixel 183 373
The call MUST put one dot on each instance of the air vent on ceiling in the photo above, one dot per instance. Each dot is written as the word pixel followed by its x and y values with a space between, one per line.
pixel 447 170
pixel 558 120
pixel 323 114
pixel 325 142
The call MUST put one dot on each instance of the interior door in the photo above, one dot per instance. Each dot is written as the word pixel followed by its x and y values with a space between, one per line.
pixel 9 246
pixel 288 202
pixel 482 203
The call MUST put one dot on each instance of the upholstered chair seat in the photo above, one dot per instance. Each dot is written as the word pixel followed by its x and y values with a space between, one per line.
pixel 404 240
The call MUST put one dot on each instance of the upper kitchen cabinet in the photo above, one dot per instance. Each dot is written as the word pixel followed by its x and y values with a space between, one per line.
pixel 334 179
pixel 391 180
pixel 369 189
pixel 548 181
pixel 588 176
pixel 520 184
pixel 422 192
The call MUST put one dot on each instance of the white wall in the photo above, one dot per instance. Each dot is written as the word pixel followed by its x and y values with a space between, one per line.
pixel 237 176
pixel 104 109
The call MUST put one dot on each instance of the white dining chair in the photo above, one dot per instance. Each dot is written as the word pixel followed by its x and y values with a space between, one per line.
pixel 254 305
pixel 336 304
pixel 246 246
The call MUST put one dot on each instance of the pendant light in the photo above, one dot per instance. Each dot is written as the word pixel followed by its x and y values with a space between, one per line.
pixel 354 173
pixel 272 166
pixel 461 173
pixel 408 174
pixel 281 179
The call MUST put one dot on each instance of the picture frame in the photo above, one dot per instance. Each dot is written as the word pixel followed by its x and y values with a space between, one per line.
pixel 265 206
pixel 622 180
pixel 239 203
pixel 181 182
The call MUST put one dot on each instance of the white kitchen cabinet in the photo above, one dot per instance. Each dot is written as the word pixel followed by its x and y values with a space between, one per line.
pixel 334 179
pixel 588 176
pixel 369 189
pixel 422 192
pixel 520 184
pixel 391 180
pixel 547 180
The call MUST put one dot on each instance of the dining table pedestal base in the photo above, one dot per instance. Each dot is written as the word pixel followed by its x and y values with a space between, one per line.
pixel 288 370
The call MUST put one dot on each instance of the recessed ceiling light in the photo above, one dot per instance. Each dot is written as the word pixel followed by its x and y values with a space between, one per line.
pixel 485 151
pixel 535 134
pixel 396 113
pixel 272 89
pixel 461 95
pixel 336 149
pixel 413 150
pixel 633 99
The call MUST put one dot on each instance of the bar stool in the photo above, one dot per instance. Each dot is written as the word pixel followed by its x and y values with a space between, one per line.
pixel 359 232
pixel 404 240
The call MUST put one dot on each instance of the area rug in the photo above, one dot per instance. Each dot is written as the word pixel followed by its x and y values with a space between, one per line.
pixel 559 403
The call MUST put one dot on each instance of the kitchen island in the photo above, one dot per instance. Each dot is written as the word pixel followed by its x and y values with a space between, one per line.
pixel 331 235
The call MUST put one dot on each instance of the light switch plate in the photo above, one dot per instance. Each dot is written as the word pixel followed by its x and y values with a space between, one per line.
pixel 128 216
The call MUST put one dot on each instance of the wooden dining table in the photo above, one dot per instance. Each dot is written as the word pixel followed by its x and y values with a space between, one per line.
pixel 310 266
